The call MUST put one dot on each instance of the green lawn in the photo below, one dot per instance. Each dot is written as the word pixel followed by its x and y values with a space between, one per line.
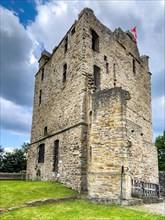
pixel 13 193
pixel 76 210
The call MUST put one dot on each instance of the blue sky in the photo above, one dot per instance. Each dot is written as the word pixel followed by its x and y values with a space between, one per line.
pixel 25 10
pixel 29 26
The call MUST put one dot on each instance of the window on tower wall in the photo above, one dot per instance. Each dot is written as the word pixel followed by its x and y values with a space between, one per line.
pixel 96 76
pixel 107 68
pixel 73 31
pixel 64 72
pixel 41 153
pixel 42 74
pixel 95 41
pixel 66 44
pixel 45 130
pixel 56 150
pixel 133 66
pixel 40 96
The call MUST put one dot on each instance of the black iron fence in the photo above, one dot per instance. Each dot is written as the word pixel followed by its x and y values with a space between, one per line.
pixel 141 189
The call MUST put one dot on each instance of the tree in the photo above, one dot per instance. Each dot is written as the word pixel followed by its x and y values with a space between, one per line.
pixel 1 150
pixel 13 162
pixel 1 155
pixel 25 147
pixel 160 144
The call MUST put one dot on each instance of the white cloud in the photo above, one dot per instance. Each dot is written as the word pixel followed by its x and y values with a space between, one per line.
pixel 17 71
pixel 54 18
pixel 51 22
pixel 9 149
pixel 158 109
pixel 15 118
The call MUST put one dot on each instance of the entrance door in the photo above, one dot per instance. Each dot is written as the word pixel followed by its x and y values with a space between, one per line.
pixel 56 149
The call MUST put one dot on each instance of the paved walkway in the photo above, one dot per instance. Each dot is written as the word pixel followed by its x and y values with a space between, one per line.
pixel 156 208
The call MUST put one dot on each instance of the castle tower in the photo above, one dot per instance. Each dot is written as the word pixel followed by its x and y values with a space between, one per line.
pixel 92 113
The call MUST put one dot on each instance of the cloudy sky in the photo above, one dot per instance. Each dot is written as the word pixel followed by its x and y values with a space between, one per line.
pixel 27 27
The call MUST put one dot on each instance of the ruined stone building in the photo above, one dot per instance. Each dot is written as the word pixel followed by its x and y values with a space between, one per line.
pixel 92 113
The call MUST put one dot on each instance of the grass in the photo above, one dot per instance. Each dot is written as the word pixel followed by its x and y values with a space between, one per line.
pixel 15 193
pixel 78 210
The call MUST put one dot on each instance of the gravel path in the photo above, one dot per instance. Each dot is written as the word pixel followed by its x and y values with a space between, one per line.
pixel 156 208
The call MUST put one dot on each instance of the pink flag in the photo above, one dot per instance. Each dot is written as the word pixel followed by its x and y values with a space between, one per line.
pixel 133 30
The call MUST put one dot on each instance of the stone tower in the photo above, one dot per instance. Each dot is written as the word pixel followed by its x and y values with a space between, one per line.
pixel 92 113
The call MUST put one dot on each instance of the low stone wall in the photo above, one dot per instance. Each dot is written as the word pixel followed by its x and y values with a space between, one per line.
pixel 162 182
pixel 13 176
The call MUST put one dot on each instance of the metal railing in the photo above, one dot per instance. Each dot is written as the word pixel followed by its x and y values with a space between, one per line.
pixel 141 189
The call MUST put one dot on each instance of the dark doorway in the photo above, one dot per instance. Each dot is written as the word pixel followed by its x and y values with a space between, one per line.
pixel 41 153
pixel 95 41
pixel 96 73
pixel 56 150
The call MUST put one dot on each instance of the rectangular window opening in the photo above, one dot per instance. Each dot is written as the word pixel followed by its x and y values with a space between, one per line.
pixel 56 151
pixel 95 41
pixel 64 72
pixel 42 75
pixel 46 130
pixel 105 58
pixel 73 31
pixel 96 70
pixel 41 153
pixel 107 67
pixel 134 66
pixel 66 44
pixel 40 96
pixel 90 153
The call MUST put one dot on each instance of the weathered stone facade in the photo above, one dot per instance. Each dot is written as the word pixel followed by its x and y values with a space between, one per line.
pixel 92 112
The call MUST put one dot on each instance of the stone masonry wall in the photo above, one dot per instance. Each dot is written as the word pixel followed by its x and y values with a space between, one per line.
pixel 117 50
pixel 109 146
pixel 62 111
pixel 72 159
pixel 61 102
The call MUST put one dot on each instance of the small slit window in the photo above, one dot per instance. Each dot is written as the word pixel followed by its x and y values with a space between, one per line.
pixel 66 44
pixel 96 74
pixel 45 130
pixel 42 74
pixel 73 31
pixel 41 153
pixel 107 68
pixel 40 96
pixel 133 66
pixel 95 41
pixel 90 153
pixel 105 58
pixel 64 72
